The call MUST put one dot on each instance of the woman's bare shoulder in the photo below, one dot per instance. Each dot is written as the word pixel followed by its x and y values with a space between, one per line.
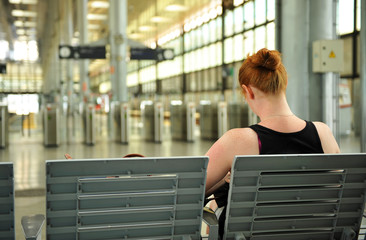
pixel 327 139
pixel 242 140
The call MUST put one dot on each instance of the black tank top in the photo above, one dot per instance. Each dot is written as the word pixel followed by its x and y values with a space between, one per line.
pixel 272 142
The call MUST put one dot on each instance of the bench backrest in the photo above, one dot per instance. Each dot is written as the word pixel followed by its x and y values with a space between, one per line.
pixel 282 197
pixel 6 201
pixel 130 198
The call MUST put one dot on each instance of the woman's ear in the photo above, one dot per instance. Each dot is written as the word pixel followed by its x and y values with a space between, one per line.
pixel 248 92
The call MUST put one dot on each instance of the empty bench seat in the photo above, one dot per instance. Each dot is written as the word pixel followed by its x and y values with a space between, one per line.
pixel 130 198
pixel 6 201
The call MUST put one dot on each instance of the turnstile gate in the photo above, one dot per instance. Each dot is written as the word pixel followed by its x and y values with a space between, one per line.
pixel 183 120
pixel 121 116
pixel 213 119
pixel 153 120
pixel 4 131
pixel 51 120
pixel 89 124
pixel 238 115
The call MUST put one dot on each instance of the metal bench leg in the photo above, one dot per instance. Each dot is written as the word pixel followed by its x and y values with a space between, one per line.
pixel 32 226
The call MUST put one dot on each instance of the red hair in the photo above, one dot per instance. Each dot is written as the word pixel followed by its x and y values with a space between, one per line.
pixel 265 71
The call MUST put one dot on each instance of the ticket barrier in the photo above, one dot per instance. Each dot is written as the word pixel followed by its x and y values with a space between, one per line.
pixel 213 119
pixel 238 115
pixel 183 120
pixel 51 121
pixel 153 120
pixel 222 118
pixel 121 116
pixel 89 124
pixel 4 126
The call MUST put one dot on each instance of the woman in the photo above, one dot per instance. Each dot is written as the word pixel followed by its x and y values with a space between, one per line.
pixel 263 81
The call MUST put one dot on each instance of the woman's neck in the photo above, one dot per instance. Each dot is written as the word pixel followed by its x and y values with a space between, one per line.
pixel 273 106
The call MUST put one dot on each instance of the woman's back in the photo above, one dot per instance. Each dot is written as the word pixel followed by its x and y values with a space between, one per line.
pixel 305 140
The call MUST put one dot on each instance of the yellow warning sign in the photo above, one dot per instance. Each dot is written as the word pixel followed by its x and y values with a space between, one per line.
pixel 332 55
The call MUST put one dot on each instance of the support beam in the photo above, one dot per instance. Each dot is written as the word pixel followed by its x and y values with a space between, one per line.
pixel 363 75
pixel 118 15
pixel 323 97
pixel 4 15
pixel 83 40
pixel 67 37
pixel 295 22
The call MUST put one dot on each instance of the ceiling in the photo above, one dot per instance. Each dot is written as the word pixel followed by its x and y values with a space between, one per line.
pixel 30 23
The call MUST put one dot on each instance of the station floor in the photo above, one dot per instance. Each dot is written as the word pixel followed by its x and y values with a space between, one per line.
pixel 28 154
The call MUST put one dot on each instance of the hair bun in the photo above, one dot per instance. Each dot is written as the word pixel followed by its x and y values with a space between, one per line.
pixel 269 59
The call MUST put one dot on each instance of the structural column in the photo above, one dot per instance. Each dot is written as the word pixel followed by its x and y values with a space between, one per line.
pixel 118 43
pixel 323 87
pixel 312 96
pixel 363 76
pixel 293 31
pixel 112 58
pixel 83 40
pixel 67 37
pixel 67 30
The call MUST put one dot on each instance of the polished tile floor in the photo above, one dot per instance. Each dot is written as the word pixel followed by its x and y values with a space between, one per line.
pixel 29 155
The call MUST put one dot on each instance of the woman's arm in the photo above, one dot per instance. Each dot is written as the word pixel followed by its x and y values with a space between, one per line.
pixel 234 142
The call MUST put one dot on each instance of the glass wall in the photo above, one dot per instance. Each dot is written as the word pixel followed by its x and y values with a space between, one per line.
pixel 204 48
pixel 349 25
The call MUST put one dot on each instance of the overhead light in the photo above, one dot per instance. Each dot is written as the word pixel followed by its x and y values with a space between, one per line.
pixel 22 13
pixel 198 21
pixel 30 31
pixel 23 1
pixel 135 35
pixel 238 2
pixel 93 26
pixel 176 8
pixel 159 19
pixel 29 1
pixel 219 10
pixel 22 38
pixel 99 4
pixel 146 28
pixel 206 17
pixel 20 31
pixel 30 24
pixel 96 16
pixel 18 23
pixel 212 13
pixel 187 27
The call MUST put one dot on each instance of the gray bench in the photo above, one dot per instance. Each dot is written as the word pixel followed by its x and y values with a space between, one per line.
pixel 297 197
pixel 6 201
pixel 130 198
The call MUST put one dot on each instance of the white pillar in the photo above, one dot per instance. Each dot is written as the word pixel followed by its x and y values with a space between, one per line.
pixel 323 97
pixel 118 14
pixel 67 39
pixel 294 36
pixel 68 32
pixel 363 76
pixel 83 40
pixel 311 96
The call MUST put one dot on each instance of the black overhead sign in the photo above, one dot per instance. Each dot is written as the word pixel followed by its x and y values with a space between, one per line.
pixel 151 54
pixel 81 52
pixel 2 68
